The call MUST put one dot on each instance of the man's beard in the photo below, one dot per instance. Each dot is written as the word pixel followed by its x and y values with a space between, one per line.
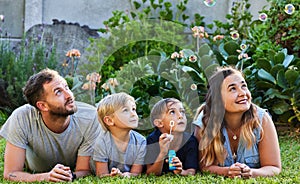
pixel 62 111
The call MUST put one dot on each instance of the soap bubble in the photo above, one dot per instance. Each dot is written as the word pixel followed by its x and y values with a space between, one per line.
pixel 234 35
pixel 2 18
pixel 263 17
pixel 210 3
pixel 243 46
pixel 289 9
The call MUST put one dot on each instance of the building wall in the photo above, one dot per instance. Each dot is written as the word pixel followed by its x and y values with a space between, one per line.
pixel 21 15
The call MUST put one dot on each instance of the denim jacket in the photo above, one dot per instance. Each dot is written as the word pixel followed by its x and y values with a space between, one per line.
pixel 250 156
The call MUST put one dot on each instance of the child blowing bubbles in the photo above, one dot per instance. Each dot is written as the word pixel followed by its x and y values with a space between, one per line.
pixel 119 151
pixel 159 142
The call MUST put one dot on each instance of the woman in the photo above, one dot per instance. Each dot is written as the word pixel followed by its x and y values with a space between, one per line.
pixel 236 137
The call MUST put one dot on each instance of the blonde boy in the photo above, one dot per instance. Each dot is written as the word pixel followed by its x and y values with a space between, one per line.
pixel 120 150
pixel 169 114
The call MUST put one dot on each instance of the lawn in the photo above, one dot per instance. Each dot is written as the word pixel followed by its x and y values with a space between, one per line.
pixel 290 149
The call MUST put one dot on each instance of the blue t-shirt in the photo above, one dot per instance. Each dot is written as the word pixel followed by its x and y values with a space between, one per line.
pixel 105 150
pixel 187 154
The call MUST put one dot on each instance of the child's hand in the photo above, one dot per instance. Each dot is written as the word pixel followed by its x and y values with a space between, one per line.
pixel 164 143
pixel 115 172
pixel 126 174
pixel 178 164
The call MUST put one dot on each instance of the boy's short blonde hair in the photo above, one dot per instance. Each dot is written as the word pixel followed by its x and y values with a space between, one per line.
pixel 109 104
pixel 161 107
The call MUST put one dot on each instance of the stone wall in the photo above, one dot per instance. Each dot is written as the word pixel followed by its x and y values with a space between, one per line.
pixel 63 36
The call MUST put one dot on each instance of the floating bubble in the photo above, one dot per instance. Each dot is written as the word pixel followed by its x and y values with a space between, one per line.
pixel 289 9
pixel 193 58
pixel 2 18
pixel 243 46
pixel 234 35
pixel 210 3
pixel 194 87
pixel 263 17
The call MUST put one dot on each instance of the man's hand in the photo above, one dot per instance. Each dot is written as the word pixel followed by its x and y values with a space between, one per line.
pixel 60 173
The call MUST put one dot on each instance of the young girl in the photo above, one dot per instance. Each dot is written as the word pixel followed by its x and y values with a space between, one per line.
pixel 236 137
pixel 120 150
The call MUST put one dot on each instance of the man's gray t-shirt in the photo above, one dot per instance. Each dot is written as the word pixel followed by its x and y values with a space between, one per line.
pixel 105 150
pixel 44 148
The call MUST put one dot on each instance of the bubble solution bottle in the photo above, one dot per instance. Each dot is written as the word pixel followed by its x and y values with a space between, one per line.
pixel 171 155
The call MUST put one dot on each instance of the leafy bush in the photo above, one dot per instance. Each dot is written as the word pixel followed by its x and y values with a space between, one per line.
pixel 267 50
pixel 271 67
pixel 133 34
pixel 17 67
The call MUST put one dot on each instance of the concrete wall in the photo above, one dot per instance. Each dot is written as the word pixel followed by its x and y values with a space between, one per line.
pixel 21 15
pixel 13 25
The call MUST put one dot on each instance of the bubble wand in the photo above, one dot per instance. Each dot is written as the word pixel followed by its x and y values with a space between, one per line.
pixel 171 153
pixel 172 123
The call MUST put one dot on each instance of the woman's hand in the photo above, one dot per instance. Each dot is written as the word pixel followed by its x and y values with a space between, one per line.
pixel 234 171
pixel 246 170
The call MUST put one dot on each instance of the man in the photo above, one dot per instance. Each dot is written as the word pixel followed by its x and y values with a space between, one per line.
pixel 52 136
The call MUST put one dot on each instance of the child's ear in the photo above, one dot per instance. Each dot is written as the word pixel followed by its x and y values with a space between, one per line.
pixel 158 123
pixel 108 120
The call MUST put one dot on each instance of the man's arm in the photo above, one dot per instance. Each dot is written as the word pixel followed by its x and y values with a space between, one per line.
pixel 14 160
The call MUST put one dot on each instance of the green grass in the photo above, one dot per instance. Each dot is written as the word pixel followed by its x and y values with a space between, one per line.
pixel 290 149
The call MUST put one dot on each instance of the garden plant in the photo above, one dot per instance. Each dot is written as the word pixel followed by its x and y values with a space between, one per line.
pixel 156 51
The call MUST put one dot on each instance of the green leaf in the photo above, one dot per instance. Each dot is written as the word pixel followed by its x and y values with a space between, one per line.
pixel 291 76
pixel 223 53
pixel 184 17
pixel 210 70
pixel 266 76
pixel 231 47
pixel 187 53
pixel 272 93
pixel 206 61
pixel 264 64
pixel 232 60
pixel 188 69
pixel 271 54
pixel 287 61
pixel 204 50
pixel 279 58
pixel 280 107
pixel 264 85
pixel 136 5
pixel 276 69
pixel 133 15
pixel 170 94
pixel 257 100
pixel 281 79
